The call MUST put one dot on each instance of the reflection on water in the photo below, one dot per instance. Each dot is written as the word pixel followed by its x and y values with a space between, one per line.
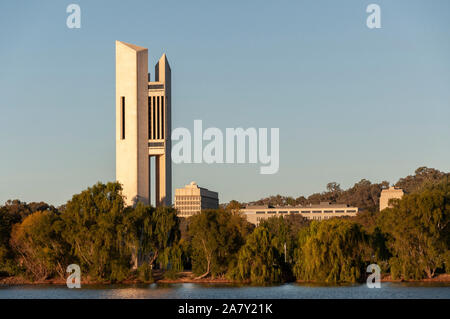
pixel 229 291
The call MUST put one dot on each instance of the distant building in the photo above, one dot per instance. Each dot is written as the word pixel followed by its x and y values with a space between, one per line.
pixel 324 210
pixel 390 193
pixel 192 199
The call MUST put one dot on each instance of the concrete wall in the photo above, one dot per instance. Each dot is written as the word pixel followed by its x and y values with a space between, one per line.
pixel 132 166
pixel 390 193
pixel 162 154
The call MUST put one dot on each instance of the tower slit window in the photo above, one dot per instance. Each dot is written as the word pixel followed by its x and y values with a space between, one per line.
pixel 154 118
pixel 162 117
pixel 158 116
pixel 149 117
pixel 122 117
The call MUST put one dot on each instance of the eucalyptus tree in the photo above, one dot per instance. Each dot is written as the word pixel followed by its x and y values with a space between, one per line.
pixel 418 230
pixel 39 247
pixel 216 236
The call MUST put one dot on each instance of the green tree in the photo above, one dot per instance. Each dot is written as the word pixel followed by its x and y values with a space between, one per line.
pixel 39 246
pixel 7 219
pixel 21 209
pixel 259 259
pixel 216 237
pixel 377 250
pixel 151 233
pixel 334 190
pixel 422 176
pixel 331 251
pixel 418 231
pixel 95 229
pixel 282 235
pixel 166 235
pixel 234 206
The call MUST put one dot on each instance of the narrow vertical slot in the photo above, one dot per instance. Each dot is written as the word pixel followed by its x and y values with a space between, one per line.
pixel 122 117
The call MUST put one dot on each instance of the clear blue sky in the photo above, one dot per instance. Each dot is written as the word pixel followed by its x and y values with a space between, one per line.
pixel 350 102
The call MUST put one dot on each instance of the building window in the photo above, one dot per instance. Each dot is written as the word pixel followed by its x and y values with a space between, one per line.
pixel 155 86
pixel 306 211
pixel 162 117
pixel 150 118
pixel 122 117
pixel 294 211
pixel 154 118
pixel 339 211
pixel 317 211
pixel 327 211
pixel 158 117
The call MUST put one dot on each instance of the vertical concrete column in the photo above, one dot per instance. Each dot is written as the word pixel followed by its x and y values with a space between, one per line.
pixel 132 168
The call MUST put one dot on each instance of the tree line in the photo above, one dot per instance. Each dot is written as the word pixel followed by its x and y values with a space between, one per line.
pixel 113 242
pixel 364 194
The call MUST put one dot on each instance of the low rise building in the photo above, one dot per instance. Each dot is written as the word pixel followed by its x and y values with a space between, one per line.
pixel 324 210
pixel 388 194
pixel 192 199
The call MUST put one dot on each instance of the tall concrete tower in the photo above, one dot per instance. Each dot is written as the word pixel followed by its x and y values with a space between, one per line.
pixel 143 125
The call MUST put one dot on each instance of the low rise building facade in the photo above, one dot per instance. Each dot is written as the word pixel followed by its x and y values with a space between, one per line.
pixel 324 210
pixel 192 199
pixel 388 194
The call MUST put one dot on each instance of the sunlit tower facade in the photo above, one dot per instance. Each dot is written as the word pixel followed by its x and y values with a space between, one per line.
pixel 143 125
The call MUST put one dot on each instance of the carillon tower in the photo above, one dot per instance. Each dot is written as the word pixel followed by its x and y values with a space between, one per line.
pixel 143 125
pixel 159 130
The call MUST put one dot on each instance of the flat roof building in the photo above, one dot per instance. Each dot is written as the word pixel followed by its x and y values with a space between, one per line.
pixel 324 210
pixel 388 194
pixel 192 199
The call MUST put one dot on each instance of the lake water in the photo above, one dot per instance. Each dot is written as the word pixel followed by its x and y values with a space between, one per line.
pixel 227 291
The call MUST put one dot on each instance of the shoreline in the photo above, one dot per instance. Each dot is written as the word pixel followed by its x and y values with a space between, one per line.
pixel 187 277
pixel 439 278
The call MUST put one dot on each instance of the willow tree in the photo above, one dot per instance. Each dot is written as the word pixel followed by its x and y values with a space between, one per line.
pixel 331 251
pixel 166 234
pixel 94 227
pixel 284 231
pixel 152 236
pixel 282 235
pixel 259 260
